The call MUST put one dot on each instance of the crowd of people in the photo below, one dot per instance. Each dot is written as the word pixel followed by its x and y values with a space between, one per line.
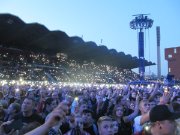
pixel 43 95
pixel 92 110
pixel 31 66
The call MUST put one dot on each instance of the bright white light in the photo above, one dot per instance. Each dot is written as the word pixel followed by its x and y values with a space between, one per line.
pixel 147 128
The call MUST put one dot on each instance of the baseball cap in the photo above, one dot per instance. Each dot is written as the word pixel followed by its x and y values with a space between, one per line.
pixel 162 112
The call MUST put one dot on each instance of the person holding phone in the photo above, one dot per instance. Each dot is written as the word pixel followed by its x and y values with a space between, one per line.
pixel 52 121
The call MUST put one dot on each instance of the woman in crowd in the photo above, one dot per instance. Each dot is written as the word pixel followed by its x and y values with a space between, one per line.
pixel 49 105
pixel 123 127
pixel 125 120
pixel 13 110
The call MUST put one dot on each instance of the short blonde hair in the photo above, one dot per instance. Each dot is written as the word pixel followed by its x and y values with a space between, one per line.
pixel 104 118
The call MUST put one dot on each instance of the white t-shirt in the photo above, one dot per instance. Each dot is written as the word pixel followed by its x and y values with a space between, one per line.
pixel 137 127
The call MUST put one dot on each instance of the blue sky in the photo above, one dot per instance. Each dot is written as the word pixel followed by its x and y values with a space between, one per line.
pixel 107 20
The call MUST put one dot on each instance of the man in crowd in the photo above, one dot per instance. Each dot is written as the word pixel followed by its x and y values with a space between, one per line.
pixel 52 121
pixel 163 121
pixel 28 113
pixel 105 125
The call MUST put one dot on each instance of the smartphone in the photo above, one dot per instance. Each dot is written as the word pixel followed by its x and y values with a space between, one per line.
pixel 166 90
pixel 76 98
pixel 16 125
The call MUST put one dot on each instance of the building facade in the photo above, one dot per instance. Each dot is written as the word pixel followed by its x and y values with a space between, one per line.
pixel 172 55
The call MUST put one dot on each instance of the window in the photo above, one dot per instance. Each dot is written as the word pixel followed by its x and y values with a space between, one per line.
pixel 175 51
pixel 169 70
pixel 170 56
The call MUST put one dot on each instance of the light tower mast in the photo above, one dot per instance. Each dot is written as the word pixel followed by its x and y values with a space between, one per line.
pixel 141 22
pixel 158 53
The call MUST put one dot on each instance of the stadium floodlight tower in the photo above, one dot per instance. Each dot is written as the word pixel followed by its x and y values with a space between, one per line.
pixel 140 22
